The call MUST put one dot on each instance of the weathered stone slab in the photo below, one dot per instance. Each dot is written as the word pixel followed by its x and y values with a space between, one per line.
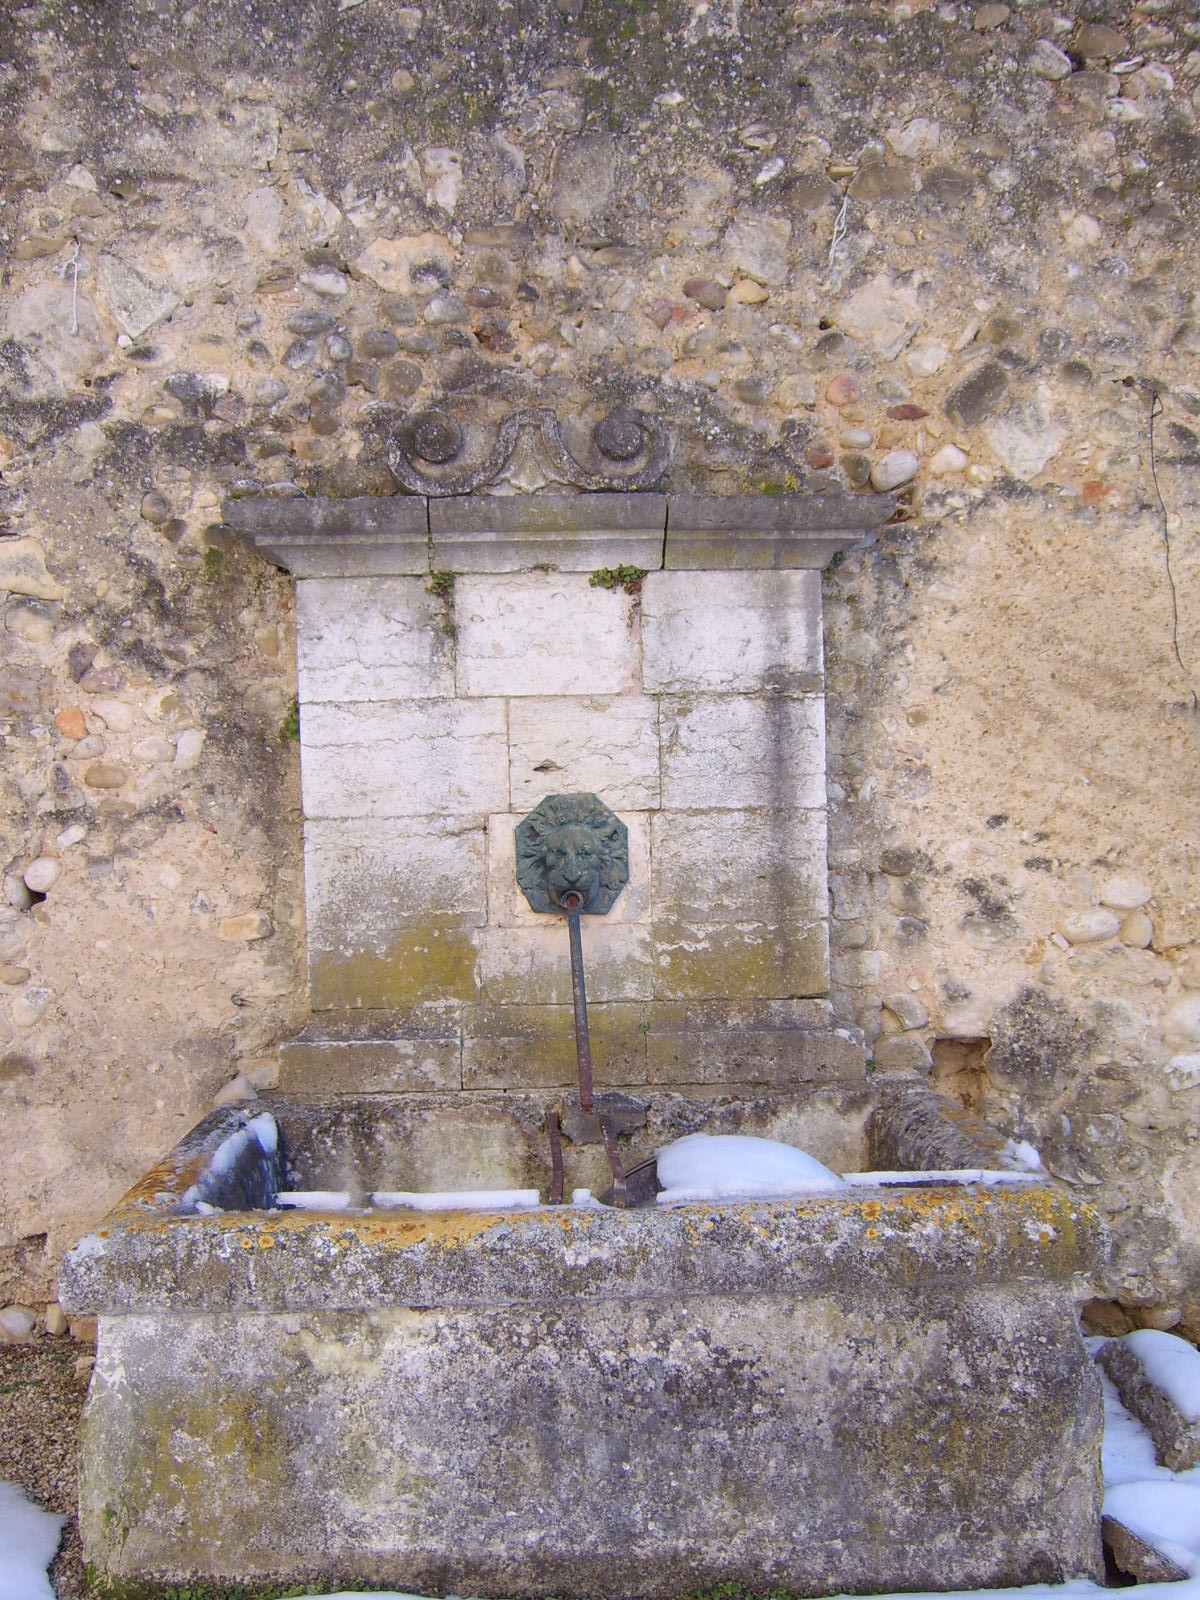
pixel 373 639
pixel 136 1263
pixel 532 966
pixel 433 961
pixel 732 632
pixel 739 960
pixel 1137 1559
pixel 1176 1436
pixel 363 881
pixel 607 747
pixel 915 1128
pixel 567 533
pixel 376 1438
pixel 404 758
pixel 363 536
pixel 730 866
pixel 372 1052
pixel 530 1047
pixel 737 751
pixel 720 532
pixel 748 1043
pixel 507 906
pixel 543 635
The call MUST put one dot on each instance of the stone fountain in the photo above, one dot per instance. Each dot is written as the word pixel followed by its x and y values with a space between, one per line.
pixel 880 1388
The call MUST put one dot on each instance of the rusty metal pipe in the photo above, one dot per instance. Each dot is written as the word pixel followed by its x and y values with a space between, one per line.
pixel 620 1197
pixel 556 1159
pixel 583 1044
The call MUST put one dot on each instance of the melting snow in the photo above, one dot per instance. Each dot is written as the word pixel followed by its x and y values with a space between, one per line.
pixel 28 1539
pixel 1128 1452
pixel 1172 1365
pixel 939 1177
pixel 1021 1150
pixel 459 1200
pixel 260 1130
pixel 734 1166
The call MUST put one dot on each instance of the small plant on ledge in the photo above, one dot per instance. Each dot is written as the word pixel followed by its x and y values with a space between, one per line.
pixel 627 578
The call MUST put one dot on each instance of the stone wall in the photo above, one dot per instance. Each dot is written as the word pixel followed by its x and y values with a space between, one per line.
pixel 943 250
pixel 462 658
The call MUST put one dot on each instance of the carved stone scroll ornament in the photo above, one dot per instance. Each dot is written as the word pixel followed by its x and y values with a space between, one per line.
pixel 635 444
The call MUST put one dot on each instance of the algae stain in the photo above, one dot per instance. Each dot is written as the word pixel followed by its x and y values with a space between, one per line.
pixel 423 963
pixel 733 966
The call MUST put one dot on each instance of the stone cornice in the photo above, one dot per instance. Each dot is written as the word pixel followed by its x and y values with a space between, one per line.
pixel 411 535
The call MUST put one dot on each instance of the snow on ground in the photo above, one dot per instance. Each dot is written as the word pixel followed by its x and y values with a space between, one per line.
pixel 1172 1365
pixel 28 1539
pixel 1160 1506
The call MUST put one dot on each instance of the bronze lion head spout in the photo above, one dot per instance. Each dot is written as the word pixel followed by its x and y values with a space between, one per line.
pixel 572 855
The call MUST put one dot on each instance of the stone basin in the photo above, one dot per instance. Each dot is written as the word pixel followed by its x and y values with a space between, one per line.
pixel 883 1388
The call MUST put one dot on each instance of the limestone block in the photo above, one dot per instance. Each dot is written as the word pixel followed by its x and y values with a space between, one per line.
pixel 740 960
pixel 1136 1558
pixel 507 907
pixel 435 961
pixel 532 966
pixel 1139 1364
pixel 319 1066
pixel 404 758
pixel 363 879
pixel 378 638
pixel 607 747
pixel 732 866
pixel 732 632
pixel 543 635
pixel 373 1052
pixel 779 1043
pixel 569 533
pixel 461 1399
pixel 392 906
pixel 720 532
pixel 327 538
pixel 734 751
pixel 532 1047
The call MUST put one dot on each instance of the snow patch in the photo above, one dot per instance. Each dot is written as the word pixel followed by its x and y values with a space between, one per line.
pixel 1128 1450
pixel 261 1130
pixel 459 1200
pixel 1172 1365
pixel 940 1177
pixel 1021 1150
pixel 1165 1515
pixel 734 1166
pixel 28 1539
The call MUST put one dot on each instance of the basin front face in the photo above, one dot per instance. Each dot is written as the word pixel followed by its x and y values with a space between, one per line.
pixel 639 1447
pixel 873 1390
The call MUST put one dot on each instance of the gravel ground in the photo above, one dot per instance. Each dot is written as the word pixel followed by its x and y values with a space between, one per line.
pixel 40 1401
